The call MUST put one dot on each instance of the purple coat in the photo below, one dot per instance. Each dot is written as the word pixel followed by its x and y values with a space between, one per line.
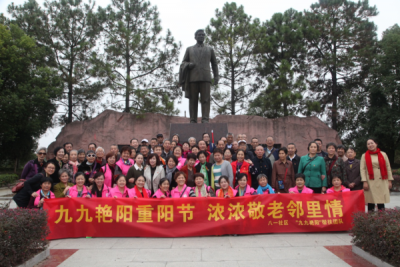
pixel 31 168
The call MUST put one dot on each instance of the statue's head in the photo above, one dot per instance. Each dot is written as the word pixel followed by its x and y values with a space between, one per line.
pixel 200 35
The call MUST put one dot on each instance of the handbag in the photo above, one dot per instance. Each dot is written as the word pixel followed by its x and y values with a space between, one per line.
pixel 16 188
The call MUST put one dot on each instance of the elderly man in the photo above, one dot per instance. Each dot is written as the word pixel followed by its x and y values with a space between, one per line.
pixel 134 143
pixel 248 155
pixel 320 152
pixel 229 140
pixel 262 164
pixel 270 151
pixel 166 149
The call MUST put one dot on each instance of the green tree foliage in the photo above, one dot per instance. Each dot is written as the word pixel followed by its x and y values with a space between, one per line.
pixel 28 90
pixel 382 117
pixel 341 44
pixel 232 34
pixel 281 54
pixel 69 30
pixel 138 62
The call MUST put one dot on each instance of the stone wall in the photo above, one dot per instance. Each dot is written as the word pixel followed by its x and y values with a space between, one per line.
pixel 112 127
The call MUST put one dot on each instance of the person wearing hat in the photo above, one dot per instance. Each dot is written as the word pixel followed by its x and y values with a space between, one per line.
pixel 248 155
pixel 337 185
pixel 160 139
pixel 300 187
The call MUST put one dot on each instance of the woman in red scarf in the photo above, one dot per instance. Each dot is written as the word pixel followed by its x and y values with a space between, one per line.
pixel 139 191
pixel 376 175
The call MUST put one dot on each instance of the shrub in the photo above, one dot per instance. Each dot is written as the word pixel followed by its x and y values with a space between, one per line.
pixel 6 179
pixel 23 234
pixel 379 234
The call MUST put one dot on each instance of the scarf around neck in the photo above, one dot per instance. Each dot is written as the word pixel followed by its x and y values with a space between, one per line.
pixel 139 195
pixel 230 192
pixel 382 164
pixel 261 189
pixel 202 191
pixel 169 172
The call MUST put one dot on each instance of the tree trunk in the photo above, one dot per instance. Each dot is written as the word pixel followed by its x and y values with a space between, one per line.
pixel 334 89
pixel 233 112
pixel 70 87
pixel 15 165
pixel 127 81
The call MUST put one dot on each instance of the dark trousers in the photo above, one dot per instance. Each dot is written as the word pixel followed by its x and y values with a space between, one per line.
pixel 317 190
pixel 202 88
pixel 371 206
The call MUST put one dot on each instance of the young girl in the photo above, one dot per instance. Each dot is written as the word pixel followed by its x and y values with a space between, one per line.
pixel 337 185
pixel 263 186
pixel 163 189
pixel 44 193
pixel 201 190
pixel 139 191
pixel 99 189
pixel 300 185
pixel 120 190
pixel 243 189
pixel 226 191
pixel 182 190
pixel 79 189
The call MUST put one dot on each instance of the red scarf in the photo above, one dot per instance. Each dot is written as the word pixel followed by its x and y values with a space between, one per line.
pixel 139 195
pixel 382 164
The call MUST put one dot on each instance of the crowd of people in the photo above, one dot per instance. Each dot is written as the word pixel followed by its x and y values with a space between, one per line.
pixel 172 168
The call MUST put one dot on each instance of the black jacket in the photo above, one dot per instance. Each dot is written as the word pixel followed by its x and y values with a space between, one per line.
pixel 89 170
pixel 208 166
pixel 295 162
pixel 247 155
pixel 23 197
pixel 264 166
pixel 55 177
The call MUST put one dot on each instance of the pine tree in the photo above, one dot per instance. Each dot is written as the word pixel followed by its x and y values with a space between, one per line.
pixel 138 62
pixel 232 34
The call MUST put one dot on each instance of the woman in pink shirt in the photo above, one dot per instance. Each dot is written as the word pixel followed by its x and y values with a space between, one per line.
pixel 337 185
pixel 178 154
pixel 99 189
pixel 243 189
pixel 79 189
pixel 163 189
pixel 300 185
pixel 120 190
pixel 44 193
pixel 201 189
pixel 182 190
pixel 138 191
pixel 125 162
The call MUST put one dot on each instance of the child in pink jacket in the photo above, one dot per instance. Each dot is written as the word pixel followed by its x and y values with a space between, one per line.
pixel 300 185
pixel 337 185
pixel 44 193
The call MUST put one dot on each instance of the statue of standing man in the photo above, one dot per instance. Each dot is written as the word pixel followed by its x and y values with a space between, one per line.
pixel 195 76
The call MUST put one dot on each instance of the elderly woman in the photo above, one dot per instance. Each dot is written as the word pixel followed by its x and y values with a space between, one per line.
pixel 59 153
pixel 220 167
pixel 154 172
pixel 282 172
pixel 175 138
pixel 178 154
pixel 192 142
pixel 73 160
pixel 34 166
pixel 201 189
pixel 204 167
pixel 242 166
pixel 44 192
pixel 99 189
pixel 32 185
pixel 182 190
pixel 89 167
pixel 138 191
pixel 334 165
pixel 313 167
pixel 300 187
pixel 263 186
pixel 100 156
pixel 65 181
pixel 124 163
pixel 376 175
pixel 120 191
pixel 66 165
pixel 243 188
pixel 110 170
pixel 228 154
pixel 170 170
pixel 81 156
pixel 79 189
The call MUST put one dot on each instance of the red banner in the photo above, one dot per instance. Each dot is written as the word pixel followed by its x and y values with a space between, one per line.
pixel 128 217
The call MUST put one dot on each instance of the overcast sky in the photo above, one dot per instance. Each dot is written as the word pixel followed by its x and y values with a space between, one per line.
pixel 184 17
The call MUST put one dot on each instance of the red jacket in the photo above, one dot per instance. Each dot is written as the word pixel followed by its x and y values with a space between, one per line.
pixel 186 171
pixel 244 169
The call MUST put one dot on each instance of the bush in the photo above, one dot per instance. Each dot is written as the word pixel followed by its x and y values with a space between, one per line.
pixel 6 179
pixel 23 234
pixel 379 234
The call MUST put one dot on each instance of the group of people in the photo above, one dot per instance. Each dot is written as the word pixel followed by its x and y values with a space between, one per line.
pixel 199 168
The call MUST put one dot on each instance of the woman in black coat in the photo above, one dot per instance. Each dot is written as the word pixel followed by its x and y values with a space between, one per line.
pixel 89 167
pixel 59 153
pixel 32 185
pixel 204 167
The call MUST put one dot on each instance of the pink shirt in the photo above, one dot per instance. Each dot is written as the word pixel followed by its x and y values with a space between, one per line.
pixel 124 167
pixel 159 194
pixel 37 199
pixel 181 163
pixel 185 192
pixel 305 190
pixel 73 192
pixel 332 190
pixel 114 192
pixel 249 190
pixel 104 193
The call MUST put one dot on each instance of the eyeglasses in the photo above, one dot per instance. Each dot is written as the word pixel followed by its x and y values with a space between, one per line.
pixel 91 155
pixel 41 153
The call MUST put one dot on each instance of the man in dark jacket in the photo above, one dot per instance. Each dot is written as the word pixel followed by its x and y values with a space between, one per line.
pixel 263 165
pixel 352 167
pixel 248 155
pixel 293 157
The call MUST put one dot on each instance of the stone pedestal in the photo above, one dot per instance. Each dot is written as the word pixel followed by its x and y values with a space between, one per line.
pixel 196 130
